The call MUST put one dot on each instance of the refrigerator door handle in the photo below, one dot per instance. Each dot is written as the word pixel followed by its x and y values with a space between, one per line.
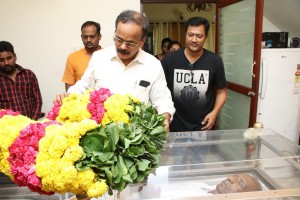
pixel 263 79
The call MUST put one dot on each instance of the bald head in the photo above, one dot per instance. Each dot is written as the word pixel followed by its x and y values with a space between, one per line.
pixel 238 183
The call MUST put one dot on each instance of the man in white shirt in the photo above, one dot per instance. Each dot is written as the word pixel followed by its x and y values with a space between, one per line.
pixel 127 69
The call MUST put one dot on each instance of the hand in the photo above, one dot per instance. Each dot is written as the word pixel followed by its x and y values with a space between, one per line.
pixel 167 125
pixel 209 120
pixel 60 97
pixel 167 121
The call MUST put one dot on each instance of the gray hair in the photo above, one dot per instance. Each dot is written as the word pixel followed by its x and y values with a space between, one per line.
pixel 136 17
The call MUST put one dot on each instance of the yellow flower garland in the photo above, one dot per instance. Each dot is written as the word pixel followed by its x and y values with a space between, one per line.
pixel 116 107
pixel 74 109
pixel 10 127
pixel 58 150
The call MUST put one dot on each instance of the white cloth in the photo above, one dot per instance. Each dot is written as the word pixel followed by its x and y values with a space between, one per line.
pixel 106 70
pixel 170 190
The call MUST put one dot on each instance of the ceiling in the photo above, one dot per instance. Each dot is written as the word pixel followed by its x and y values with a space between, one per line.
pixel 283 14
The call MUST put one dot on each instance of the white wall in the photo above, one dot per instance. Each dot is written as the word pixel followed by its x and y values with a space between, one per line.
pixel 45 32
pixel 268 26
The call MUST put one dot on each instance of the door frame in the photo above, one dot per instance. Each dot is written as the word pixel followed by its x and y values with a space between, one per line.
pixel 256 56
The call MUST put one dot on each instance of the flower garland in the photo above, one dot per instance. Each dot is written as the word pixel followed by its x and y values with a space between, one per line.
pixel 117 108
pixel 8 112
pixel 22 155
pixel 77 107
pixel 58 150
pixel 11 124
pixel 54 112
pixel 89 143
pixel 97 99
pixel 252 133
pixel 73 108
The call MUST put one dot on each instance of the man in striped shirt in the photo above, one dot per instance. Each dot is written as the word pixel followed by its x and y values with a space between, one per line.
pixel 19 89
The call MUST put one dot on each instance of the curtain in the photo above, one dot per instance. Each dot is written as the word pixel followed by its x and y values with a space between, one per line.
pixel 210 42
pixel 160 31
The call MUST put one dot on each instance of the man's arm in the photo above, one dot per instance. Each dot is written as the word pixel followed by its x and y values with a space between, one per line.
pixel 210 118
pixel 160 97
pixel 69 74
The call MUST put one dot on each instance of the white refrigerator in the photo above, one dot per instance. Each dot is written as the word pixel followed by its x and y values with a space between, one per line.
pixel 279 92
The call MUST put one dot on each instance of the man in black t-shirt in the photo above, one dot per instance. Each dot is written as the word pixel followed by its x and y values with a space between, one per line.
pixel 196 79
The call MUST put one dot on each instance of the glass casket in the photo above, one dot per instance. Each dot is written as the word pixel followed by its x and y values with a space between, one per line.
pixel 194 162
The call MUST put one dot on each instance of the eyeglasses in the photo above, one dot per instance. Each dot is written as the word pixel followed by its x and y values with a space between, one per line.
pixel 120 41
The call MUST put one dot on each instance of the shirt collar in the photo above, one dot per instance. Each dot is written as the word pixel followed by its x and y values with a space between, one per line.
pixel 19 67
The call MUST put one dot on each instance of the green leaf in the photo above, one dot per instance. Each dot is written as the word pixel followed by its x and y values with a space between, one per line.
pixel 138 109
pixel 132 170
pixel 103 157
pixel 109 176
pixel 115 171
pixel 135 151
pixel 118 179
pixel 143 164
pixel 122 166
pixel 128 163
pixel 138 139
pixel 152 149
pixel 113 135
pixel 134 176
pixel 140 177
pixel 92 142
pixel 158 131
pixel 127 178
pixel 121 186
pixel 127 143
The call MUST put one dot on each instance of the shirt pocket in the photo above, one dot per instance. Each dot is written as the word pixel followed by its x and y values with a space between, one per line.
pixel 142 90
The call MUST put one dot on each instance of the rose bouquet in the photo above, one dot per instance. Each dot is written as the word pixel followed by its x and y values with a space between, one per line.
pixel 89 143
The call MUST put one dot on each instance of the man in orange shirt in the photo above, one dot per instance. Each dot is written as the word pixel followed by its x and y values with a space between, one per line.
pixel 77 61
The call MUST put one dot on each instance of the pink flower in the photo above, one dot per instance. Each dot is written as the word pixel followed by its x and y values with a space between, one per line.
pixel 22 155
pixel 95 107
pixel 8 112
pixel 53 113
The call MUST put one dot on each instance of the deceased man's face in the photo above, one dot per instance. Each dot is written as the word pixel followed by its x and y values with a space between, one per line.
pixel 238 183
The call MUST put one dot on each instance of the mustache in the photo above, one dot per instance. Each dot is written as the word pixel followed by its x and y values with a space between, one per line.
pixel 123 51
pixel 8 69
pixel 8 66
pixel 194 43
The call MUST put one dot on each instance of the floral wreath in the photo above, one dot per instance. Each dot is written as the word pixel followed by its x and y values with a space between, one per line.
pixel 89 143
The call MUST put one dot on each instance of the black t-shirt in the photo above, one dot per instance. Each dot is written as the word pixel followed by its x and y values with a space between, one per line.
pixel 193 87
